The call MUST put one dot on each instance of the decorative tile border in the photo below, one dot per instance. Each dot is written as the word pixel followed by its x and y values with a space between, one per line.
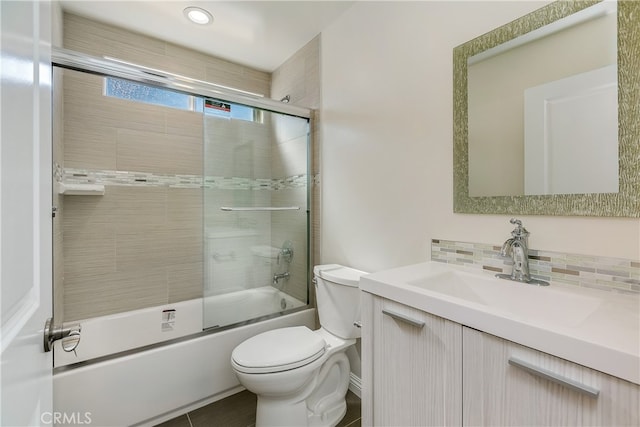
pixel 610 274
pixel 58 172
pixel 144 179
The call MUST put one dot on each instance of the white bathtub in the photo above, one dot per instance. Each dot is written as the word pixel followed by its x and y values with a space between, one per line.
pixel 148 387
pixel 235 307
pixel 106 335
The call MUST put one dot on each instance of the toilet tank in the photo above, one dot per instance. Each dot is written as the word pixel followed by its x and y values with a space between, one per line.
pixel 338 299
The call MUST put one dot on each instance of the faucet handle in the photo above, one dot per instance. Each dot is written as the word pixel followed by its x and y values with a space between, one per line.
pixel 519 231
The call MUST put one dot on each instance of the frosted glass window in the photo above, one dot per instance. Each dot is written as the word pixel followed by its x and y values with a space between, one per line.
pixel 132 91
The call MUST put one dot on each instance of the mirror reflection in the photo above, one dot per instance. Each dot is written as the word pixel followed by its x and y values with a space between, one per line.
pixel 543 110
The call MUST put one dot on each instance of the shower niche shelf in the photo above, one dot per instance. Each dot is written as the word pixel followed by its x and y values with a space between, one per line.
pixel 68 189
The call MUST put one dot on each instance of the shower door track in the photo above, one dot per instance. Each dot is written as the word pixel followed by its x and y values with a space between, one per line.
pixel 65 58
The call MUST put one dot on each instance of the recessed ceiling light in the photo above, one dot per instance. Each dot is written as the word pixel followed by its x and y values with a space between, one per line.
pixel 198 15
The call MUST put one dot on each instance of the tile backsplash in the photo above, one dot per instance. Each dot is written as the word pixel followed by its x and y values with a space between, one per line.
pixel 610 274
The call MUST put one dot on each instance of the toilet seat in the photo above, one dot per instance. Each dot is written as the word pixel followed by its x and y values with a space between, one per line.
pixel 278 350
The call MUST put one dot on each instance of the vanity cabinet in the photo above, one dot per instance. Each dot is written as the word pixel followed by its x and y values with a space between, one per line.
pixel 419 369
pixel 506 384
pixel 411 368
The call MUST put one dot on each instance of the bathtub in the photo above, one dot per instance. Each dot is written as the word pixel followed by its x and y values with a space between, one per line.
pixel 149 386
pixel 235 307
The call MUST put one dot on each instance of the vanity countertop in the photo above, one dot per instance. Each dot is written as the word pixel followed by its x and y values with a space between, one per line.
pixel 594 328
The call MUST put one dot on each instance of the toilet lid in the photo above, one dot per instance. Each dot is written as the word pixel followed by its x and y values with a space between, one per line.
pixel 278 350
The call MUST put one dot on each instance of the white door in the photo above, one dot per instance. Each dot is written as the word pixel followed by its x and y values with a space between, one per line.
pixel 25 212
pixel 571 134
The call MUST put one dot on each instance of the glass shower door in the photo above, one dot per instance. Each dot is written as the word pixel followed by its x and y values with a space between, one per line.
pixel 256 213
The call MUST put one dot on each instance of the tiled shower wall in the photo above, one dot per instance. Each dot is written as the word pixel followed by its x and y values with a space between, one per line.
pixel 289 159
pixel 299 77
pixel 138 246
pixel 271 158
pixel 609 274
pixel 99 39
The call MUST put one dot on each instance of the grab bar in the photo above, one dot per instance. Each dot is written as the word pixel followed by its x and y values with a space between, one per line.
pixel 261 208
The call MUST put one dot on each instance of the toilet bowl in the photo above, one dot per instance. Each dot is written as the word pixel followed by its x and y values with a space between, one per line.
pixel 301 376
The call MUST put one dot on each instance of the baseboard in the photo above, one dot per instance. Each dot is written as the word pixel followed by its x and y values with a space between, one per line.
pixel 355 384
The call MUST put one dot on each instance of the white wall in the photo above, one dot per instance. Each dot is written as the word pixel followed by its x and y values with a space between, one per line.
pixel 386 72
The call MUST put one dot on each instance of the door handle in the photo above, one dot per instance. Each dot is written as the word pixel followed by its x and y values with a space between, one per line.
pixel 70 336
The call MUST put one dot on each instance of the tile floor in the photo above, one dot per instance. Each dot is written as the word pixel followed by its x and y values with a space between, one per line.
pixel 239 410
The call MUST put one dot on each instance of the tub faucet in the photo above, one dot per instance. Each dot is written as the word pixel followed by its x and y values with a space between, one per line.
pixel 517 247
pixel 278 276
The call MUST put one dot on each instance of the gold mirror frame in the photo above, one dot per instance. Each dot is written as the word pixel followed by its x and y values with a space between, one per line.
pixel 625 203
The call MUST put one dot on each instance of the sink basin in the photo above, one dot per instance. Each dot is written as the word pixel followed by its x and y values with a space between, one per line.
pixel 519 300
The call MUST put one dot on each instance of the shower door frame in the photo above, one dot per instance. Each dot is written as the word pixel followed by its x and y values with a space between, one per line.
pixel 111 67
pixel 65 58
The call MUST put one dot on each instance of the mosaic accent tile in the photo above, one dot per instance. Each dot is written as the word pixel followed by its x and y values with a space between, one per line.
pixel 604 273
pixel 137 179
pixel 58 172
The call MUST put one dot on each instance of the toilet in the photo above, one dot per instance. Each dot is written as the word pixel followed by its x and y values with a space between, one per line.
pixel 301 376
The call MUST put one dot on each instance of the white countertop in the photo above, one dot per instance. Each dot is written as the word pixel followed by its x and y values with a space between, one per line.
pixel 594 328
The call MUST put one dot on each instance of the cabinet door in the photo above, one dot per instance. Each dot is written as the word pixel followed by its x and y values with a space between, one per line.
pixel 536 388
pixel 415 369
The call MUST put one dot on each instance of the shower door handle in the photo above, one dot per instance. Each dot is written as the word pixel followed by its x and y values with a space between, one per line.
pixel 259 208
pixel 54 333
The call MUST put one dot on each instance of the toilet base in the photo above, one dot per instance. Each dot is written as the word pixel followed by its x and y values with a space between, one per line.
pixel 275 413
pixel 323 405
pixel 330 418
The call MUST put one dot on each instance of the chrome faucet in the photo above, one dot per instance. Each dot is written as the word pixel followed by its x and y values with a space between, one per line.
pixel 517 247
pixel 278 276
pixel 285 254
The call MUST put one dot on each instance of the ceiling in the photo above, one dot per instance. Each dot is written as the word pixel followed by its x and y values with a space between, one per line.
pixel 260 34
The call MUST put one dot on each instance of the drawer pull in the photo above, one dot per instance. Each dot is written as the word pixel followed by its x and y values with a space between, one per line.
pixel 403 318
pixel 555 378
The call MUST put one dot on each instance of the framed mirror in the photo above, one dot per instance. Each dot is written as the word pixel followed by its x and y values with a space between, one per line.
pixel 547 113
